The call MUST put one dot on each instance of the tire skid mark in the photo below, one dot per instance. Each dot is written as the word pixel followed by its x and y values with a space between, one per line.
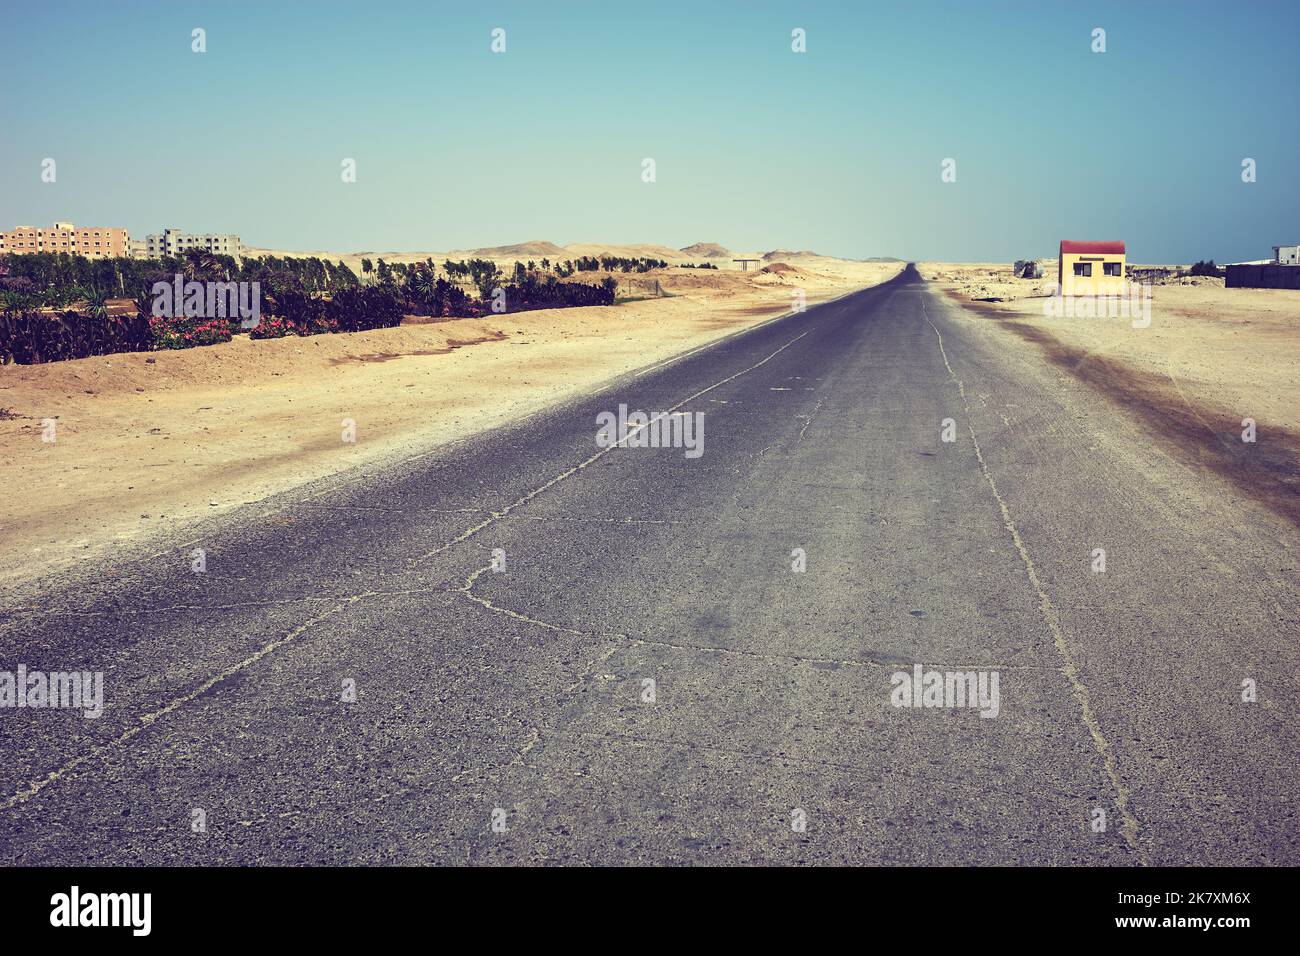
pixel 1264 471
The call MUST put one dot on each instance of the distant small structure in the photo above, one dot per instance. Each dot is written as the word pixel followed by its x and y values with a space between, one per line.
pixel 1028 269
pixel 1270 276
pixel 744 263
pixel 1091 268
pixel 1283 272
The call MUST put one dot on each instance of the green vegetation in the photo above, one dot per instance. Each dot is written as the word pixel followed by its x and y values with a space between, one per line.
pixel 57 306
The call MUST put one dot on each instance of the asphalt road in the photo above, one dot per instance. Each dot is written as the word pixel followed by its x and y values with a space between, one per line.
pixel 521 694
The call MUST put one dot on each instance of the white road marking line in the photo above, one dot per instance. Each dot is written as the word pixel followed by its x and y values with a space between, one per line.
pixel 32 788
pixel 495 516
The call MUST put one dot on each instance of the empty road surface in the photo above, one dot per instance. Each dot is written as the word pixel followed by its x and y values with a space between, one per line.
pixel 647 675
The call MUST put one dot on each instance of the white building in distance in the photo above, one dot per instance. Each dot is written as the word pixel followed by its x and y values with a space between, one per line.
pixel 173 242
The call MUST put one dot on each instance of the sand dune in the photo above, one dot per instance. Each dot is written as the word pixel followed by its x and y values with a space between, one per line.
pixel 706 250
pixel 530 250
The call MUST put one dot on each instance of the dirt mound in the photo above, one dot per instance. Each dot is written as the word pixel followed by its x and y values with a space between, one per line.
pixel 708 250
pixel 648 250
pixel 782 267
pixel 538 247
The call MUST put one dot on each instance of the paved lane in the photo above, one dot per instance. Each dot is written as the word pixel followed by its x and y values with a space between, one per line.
pixel 528 690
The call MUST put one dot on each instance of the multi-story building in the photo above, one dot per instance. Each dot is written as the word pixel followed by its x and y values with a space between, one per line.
pixel 173 242
pixel 94 242
pixel 1286 255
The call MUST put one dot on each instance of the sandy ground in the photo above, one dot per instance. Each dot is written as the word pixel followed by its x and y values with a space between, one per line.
pixel 146 443
pixel 995 281
pixel 1210 358
pixel 1235 350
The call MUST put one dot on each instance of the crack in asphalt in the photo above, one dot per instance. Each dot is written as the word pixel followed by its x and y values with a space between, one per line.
pixel 239 605
pixel 34 787
pixel 1069 667
pixel 600 520
pixel 495 516
pixel 399 511
pixel 798 659
pixel 466 589
pixel 979 791
pixel 808 419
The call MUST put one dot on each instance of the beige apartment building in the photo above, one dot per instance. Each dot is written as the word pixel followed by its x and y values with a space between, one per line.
pixel 94 242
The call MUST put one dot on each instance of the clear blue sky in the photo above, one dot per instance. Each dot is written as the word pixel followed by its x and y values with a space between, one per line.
pixel 837 149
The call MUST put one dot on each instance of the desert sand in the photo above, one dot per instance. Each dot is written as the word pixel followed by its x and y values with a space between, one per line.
pixel 147 443
pixel 1230 353
pixel 1210 361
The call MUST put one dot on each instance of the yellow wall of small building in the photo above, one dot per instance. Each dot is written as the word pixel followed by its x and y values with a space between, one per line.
pixel 1096 284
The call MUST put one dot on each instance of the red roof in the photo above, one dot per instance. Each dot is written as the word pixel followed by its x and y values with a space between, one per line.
pixel 1071 245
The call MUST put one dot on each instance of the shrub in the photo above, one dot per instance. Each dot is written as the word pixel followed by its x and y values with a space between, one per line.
pixel 272 327
pixel 291 300
pixel 29 338
pixel 551 294
pixel 362 309
pixel 457 303
pixel 172 333
pixel 275 326
pixel 284 296
pixel 318 324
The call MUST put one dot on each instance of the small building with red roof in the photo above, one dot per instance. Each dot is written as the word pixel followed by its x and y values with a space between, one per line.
pixel 1091 268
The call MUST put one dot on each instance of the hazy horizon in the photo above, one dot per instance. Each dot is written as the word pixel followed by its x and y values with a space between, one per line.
pixel 837 149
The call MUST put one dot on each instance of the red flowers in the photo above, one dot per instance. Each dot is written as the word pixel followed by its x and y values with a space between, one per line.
pixel 182 333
